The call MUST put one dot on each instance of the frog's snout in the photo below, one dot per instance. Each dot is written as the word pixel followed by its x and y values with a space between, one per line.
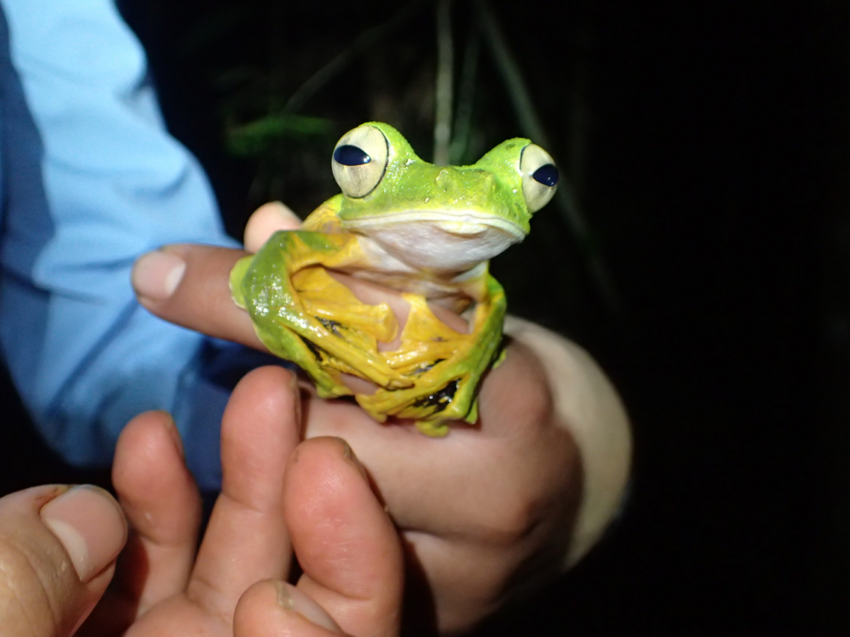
pixel 449 178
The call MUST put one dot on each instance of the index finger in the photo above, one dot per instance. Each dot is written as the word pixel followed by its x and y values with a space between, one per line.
pixel 246 539
pixel 189 285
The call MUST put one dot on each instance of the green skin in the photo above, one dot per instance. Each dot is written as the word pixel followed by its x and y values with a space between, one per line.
pixel 444 386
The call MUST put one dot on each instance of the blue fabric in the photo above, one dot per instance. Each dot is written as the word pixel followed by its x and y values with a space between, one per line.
pixel 89 180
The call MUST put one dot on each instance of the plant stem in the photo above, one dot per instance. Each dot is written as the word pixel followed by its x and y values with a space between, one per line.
pixel 445 80
pixel 529 121
pixel 466 95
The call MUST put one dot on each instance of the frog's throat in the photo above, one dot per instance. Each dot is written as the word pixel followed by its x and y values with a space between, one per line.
pixel 462 222
pixel 438 241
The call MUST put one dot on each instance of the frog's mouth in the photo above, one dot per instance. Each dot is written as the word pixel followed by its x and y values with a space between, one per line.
pixel 437 239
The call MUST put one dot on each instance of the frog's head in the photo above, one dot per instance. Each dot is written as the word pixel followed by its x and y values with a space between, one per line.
pixel 446 218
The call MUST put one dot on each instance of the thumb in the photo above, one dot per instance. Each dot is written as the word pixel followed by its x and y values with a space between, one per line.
pixel 58 547
pixel 265 221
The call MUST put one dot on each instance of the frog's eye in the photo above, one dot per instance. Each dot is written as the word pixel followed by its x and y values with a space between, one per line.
pixel 360 160
pixel 539 177
pixel 351 156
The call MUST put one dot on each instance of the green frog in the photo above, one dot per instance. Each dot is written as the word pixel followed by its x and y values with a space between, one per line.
pixel 425 231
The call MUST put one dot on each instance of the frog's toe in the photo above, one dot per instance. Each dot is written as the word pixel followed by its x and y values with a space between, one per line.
pixel 500 357
pixel 398 383
pixel 331 389
pixel 433 428
pixel 464 399
pixel 472 415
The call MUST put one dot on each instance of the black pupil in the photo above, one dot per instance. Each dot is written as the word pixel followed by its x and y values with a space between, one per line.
pixel 351 156
pixel 546 175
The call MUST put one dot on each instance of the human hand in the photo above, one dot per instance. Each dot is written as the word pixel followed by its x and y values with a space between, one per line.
pixel 488 512
pixel 317 504
pixel 57 555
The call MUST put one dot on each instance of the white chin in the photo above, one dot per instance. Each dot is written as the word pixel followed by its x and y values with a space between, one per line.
pixel 442 246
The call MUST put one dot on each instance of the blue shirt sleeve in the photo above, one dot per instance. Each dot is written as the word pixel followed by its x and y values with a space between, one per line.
pixel 90 180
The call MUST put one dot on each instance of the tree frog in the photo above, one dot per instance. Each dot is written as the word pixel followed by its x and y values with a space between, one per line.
pixel 426 231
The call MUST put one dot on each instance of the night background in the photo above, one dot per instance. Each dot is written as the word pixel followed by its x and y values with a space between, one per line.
pixel 707 153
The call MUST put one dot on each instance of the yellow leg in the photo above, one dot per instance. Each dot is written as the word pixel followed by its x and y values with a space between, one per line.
pixel 263 285
pixel 446 387
pixel 302 314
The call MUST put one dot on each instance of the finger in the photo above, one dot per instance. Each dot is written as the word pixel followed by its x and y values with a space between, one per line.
pixel 189 285
pixel 274 608
pixel 163 505
pixel 246 540
pixel 344 541
pixel 265 221
pixel 57 555
pixel 588 407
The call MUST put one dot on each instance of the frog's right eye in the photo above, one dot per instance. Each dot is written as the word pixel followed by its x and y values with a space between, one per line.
pixel 360 160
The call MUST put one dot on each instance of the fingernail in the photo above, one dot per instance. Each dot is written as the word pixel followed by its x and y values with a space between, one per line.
pixel 91 527
pixel 175 435
pixel 157 274
pixel 349 454
pixel 291 599
pixel 296 397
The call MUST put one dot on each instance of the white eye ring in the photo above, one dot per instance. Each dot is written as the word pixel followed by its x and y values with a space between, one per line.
pixel 360 160
pixel 539 177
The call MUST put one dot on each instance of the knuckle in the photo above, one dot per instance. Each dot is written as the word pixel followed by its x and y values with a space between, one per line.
pixel 513 519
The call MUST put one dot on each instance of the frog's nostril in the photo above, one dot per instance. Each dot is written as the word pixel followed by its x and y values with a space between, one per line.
pixel 445 179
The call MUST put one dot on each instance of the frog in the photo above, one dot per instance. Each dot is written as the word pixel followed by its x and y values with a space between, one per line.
pixel 423 230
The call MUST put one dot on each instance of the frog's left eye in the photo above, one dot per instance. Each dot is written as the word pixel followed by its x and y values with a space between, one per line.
pixel 360 160
pixel 539 177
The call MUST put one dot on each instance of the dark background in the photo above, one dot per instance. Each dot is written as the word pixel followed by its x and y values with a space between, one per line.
pixel 707 146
